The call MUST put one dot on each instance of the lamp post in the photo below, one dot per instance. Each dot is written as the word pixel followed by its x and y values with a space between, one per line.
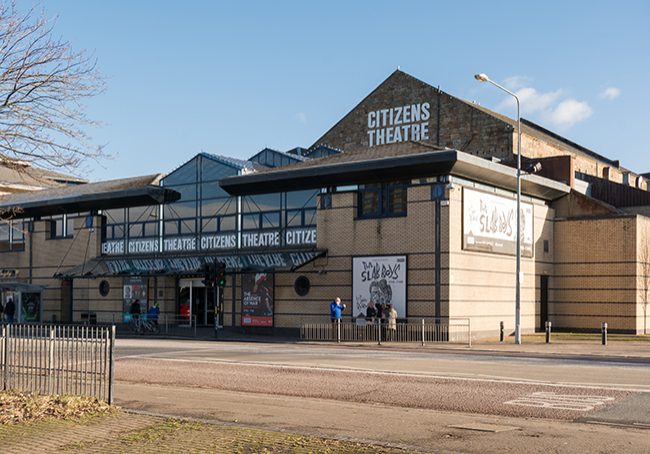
pixel 484 78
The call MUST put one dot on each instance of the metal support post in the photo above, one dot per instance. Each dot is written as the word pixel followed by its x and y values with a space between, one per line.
pixel 548 332
pixel 603 330
pixel 423 332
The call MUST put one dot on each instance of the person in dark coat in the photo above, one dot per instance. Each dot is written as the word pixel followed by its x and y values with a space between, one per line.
pixel 10 310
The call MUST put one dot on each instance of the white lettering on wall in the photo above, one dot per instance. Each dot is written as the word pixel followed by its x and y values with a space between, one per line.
pixel 113 247
pixel 399 124
pixel 257 239
pixel 143 246
pixel 219 241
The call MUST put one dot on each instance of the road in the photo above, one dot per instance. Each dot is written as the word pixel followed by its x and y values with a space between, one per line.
pixel 280 381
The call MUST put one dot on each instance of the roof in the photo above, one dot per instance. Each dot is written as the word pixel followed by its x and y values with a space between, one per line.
pixel 137 191
pixel 233 162
pixel 406 160
pixel 17 176
pixel 190 264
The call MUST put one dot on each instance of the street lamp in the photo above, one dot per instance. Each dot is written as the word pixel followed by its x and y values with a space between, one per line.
pixel 484 78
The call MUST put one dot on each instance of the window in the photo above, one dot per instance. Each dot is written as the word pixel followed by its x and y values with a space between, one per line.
pixel 382 200
pixel 62 226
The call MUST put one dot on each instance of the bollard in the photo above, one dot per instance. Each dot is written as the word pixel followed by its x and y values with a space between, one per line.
pixel 548 332
pixel 501 331
pixel 338 330
pixel 603 330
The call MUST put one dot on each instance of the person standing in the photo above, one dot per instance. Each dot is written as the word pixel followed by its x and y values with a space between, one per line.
pixel 153 313
pixel 135 312
pixel 336 310
pixel 10 310
pixel 392 322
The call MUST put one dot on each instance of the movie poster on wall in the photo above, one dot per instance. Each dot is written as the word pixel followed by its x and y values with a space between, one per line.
pixel 379 280
pixel 490 224
pixel 257 299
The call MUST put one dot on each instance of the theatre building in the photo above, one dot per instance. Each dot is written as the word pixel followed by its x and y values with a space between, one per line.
pixel 409 199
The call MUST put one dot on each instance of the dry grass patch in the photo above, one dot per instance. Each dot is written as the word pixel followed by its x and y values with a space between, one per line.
pixel 20 408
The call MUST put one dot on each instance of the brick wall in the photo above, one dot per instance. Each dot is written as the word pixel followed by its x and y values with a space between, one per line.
pixel 595 274
pixel 482 285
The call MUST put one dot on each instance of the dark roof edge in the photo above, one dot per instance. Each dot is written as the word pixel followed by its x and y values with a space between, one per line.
pixel 614 163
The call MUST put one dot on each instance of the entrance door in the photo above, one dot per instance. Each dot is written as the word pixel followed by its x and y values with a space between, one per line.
pixel 197 300
pixel 543 302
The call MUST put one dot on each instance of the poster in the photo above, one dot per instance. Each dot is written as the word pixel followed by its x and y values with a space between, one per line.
pixel 257 299
pixel 379 280
pixel 134 288
pixel 31 307
pixel 490 224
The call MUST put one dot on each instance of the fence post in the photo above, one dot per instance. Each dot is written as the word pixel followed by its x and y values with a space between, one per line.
pixel 603 329
pixel 378 331
pixel 423 332
pixel 5 357
pixel 50 365
pixel 111 365
pixel 548 332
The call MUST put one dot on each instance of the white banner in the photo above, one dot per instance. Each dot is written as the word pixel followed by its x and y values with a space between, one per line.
pixel 379 280
pixel 490 224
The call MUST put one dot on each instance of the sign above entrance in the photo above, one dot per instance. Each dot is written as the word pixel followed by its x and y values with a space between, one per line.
pixel 113 266
pixel 211 242
pixel 399 124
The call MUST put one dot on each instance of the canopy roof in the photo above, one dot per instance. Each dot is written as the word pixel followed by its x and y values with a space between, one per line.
pixel 191 264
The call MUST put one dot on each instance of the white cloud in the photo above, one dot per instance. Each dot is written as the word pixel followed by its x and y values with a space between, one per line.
pixel 516 82
pixel 568 113
pixel 610 93
pixel 552 106
pixel 302 117
pixel 531 100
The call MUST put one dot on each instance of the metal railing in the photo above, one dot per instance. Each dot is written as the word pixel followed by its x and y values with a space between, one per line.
pixel 167 324
pixel 447 330
pixel 58 359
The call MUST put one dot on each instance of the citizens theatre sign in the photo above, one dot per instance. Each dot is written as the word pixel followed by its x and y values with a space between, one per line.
pixel 244 240
pixel 399 124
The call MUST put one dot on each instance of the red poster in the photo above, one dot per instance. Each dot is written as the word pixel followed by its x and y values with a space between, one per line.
pixel 257 299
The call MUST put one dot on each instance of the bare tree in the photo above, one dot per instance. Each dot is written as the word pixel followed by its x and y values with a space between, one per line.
pixel 644 281
pixel 42 84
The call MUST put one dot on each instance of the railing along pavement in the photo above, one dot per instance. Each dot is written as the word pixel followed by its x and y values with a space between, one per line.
pixel 58 359
pixel 445 330
pixel 166 324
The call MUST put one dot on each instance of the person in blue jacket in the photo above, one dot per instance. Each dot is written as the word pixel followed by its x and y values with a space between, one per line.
pixel 336 310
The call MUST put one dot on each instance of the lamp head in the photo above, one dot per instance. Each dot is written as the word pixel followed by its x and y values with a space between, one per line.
pixel 481 77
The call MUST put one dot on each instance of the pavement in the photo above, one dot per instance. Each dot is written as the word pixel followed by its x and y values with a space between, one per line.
pixel 569 346
pixel 405 426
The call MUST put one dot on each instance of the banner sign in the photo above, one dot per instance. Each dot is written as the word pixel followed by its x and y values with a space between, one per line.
pixel 399 124
pixel 257 299
pixel 379 280
pixel 490 224
pixel 249 240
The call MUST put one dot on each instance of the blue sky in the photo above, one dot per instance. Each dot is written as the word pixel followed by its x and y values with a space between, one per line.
pixel 232 78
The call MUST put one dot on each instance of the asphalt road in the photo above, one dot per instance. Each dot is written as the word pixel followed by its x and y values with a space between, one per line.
pixel 590 389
